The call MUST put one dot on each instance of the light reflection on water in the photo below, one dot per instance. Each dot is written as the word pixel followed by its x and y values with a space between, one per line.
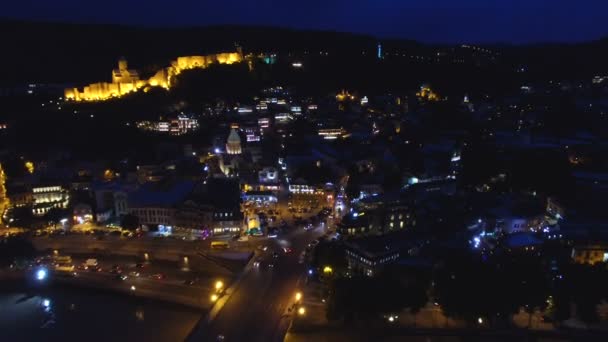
pixel 74 314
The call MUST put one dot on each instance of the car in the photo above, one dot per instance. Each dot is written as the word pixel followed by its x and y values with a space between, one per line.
pixel 189 282
pixel 120 277
pixel 287 250
pixel 158 276
pixel 275 255
pixel 93 268
pixel 273 232
pixel 140 265
pixel 134 274
pixel 308 226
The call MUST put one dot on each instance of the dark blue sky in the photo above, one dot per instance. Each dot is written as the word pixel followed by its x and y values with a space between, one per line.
pixel 515 21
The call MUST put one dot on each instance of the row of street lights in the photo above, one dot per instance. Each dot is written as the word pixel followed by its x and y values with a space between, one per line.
pixel 219 287
pixel 301 309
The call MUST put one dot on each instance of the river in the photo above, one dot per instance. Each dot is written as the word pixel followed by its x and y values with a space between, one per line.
pixel 73 314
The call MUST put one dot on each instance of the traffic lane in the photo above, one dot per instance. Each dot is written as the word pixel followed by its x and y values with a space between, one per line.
pixel 244 310
pixel 171 272
pixel 88 243
pixel 143 283
pixel 236 313
pixel 261 318
pixel 157 290
pixel 283 291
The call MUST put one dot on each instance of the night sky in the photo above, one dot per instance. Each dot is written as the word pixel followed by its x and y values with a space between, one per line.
pixel 449 21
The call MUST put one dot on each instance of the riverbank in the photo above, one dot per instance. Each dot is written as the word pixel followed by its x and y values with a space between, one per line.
pixel 66 313
pixel 192 297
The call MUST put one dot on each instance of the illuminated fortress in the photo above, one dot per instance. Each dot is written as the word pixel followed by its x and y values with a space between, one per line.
pixel 125 81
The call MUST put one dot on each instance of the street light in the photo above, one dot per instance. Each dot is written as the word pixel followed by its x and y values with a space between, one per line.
pixel 214 298
pixel 480 320
pixel 301 311
pixel 219 285
pixel 298 296
pixel 41 274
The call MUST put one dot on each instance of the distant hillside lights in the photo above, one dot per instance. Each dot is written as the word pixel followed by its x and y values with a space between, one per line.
pixel 180 125
pixel 426 93
pixel 125 81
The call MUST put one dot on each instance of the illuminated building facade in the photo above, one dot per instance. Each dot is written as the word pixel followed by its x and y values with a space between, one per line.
pixel 4 203
pixel 125 81
pixel 47 197
pixel 233 145
pixel 332 133
pixel 176 126
pixel 426 93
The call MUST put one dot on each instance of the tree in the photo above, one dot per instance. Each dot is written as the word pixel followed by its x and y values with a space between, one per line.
pixel 470 288
pixel 129 222
pixel 55 215
pixel 24 218
pixel 332 254
pixel 584 286
pixel 15 248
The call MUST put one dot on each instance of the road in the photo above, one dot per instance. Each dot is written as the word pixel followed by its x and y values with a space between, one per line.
pixel 257 309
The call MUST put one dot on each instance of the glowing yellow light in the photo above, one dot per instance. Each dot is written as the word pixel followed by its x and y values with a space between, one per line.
pixel 298 296
pixel 327 269
pixel 218 285
pixel 29 166
pixel 214 297
pixel 125 81
pixel 301 311
pixel 108 174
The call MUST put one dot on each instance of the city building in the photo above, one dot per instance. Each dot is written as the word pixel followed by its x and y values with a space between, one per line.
pixel 155 204
pixel 267 197
pixel 370 255
pixel 47 197
pixel 268 175
pixel 82 213
pixel 125 80
pixel 233 144
pixel 590 253
pixel 333 133
pixel 182 124
pixel 19 195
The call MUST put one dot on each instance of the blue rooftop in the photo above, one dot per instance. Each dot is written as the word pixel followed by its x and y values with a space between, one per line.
pixel 152 194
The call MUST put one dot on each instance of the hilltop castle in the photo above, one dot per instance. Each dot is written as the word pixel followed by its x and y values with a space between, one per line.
pixel 125 81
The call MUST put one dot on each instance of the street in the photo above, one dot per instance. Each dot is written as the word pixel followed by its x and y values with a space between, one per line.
pixel 257 309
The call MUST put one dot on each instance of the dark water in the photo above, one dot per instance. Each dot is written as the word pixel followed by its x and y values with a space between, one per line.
pixel 58 314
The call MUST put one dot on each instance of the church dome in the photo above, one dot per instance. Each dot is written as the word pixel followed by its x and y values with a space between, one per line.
pixel 234 137
pixel 233 145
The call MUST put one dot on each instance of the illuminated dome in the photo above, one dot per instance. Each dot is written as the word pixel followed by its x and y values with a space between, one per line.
pixel 233 145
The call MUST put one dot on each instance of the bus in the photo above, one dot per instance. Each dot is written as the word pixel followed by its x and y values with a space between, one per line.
pixel 63 263
pixel 62 259
pixel 219 244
